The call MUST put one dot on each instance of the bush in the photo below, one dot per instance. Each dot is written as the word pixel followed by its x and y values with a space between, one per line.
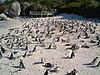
pixel 92 10
pixel 4 6
pixel 73 4
pixel 93 5
pixel 1 9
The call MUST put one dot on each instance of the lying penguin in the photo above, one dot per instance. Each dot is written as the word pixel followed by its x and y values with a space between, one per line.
pixel 45 64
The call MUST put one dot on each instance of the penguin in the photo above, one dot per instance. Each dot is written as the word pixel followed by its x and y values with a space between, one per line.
pixel 46 73
pixel 98 65
pixel 49 46
pixel 26 48
pixel 73 72
pixel 78 36
pixel 29 53
pixel 56 69
pixel 11 45
pixel 42 60
pixel 1 55
pixel 94 60
pixel 49 65
pixel 85 46
pixel 34 49
pixel 3 50
pixel 73 47
pixel 24 54
pixel 72 55
pixel 40 41
pixel 11 56
pixel 86 36
pixel 57 39
pixel 63 40
pixel 21 64
pixel 92 41
pixel 98 42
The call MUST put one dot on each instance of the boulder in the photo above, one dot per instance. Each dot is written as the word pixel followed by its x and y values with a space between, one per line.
pixel 13 10
pixel 4 17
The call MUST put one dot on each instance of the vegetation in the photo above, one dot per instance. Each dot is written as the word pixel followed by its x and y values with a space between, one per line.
pixel 87 8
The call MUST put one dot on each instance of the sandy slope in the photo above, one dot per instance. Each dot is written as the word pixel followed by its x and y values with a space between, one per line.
pixel 54 56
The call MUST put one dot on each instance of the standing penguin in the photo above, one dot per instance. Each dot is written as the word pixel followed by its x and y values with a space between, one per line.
pixel 34 49
pixel 94 60
pixel 72 55
pixel 3 50
pixel 49 46
pixel 21 64
pixel 98 65
pixel 11 56
pixel 73 72
pixel 26 48
pixel 25 54
pixel 73 47
pixel 98 42
pixel 1 55
pixel 46 73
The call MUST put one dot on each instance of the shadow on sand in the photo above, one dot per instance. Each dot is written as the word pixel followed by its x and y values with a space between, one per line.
pixel 91 66
pixel 16 66
pixel 37 63
pixel 87 64
pixel 66 57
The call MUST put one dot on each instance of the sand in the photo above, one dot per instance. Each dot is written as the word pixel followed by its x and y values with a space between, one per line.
pixel 56 56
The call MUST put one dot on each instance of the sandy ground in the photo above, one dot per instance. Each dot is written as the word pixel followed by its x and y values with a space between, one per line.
pixel 55 56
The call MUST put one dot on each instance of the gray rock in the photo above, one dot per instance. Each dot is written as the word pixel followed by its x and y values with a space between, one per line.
pixel 13 10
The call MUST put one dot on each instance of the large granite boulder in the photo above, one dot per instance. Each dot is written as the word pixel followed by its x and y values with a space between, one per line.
pixel 13 10
pixel 4 17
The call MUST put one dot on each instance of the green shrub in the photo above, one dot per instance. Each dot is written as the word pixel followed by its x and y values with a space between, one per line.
pixel 1 9
pixel 93 5
pixel 72 4
pixel 75 4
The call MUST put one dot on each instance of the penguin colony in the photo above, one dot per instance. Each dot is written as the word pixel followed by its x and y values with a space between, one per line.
pixel 47 34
